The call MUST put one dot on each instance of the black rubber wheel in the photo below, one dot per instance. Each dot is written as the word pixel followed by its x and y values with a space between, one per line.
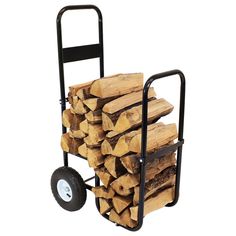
pixel 68 188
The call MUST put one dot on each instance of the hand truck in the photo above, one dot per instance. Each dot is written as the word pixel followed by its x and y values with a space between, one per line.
pixel 68 187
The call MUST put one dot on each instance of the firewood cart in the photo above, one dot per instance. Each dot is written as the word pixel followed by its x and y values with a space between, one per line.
pixel 68 187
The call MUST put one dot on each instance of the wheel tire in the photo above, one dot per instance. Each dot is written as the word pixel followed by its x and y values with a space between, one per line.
pixel 68 188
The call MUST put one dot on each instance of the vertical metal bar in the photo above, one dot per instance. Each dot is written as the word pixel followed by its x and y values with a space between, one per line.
pixel 143 155
pixel 101 59
pixel 101 67
pixel 180 137
pixel 61 76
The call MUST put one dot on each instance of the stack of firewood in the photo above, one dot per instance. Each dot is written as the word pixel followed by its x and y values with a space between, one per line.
pixel 104 123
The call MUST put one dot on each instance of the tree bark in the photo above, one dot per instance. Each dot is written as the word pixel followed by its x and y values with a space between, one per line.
pixel 126 101
pixel 117 85
pixel 153 165
pixel 154 202
pixel 131 142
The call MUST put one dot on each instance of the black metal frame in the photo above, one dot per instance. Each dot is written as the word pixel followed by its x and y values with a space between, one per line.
pixel 71 54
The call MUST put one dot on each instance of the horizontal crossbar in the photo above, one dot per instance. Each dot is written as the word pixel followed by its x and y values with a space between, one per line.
pixel 81 52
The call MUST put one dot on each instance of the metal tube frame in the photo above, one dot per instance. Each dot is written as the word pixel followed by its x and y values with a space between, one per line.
pixel 96 51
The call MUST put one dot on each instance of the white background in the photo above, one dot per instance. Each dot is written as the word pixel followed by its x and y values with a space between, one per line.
pixel 197 37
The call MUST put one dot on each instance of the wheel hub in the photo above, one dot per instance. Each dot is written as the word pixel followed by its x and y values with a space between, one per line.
pixel 64 190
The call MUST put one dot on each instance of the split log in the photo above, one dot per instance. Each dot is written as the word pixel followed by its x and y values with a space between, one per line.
pixel 97 103
pixel 69 144
pixel 73 90
pixel 156 138
pixel 82 150
pixel 96 133
pixel 126 219
pixel 105 206
pixel 102 192
pixel 94 117
pixel 93 155
pixel 78 106
pixel 131 142
pixel 84 93
pixel 70 120
pixel 120 203
pixel 163 180
pixel 132 118
pixel 104 176
pixel 77 134
pixel 117 85
pixel 126 101
pixel 67 118
pixel 123 219
pixel 114 166
pixel 90 143
pixel 125 183
pixel 154 202
pixel 153 165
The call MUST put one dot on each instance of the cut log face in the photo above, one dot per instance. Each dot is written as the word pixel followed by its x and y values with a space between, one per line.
pixel 84 126
pixel 97 103
pixel 69 144
pixel 132 118
pixel 114 217
pixel 126 101
pixel 67 118
pixel 161 183
pixel 114 166
pixel 77 134
pixel 96 133
pixel 78 106
pixel 153 166
pixel 95 157
pixel 83 150
pixel 84 93
pixel 104 176
pixel 102 192
pixel 105 205
pixel 75 88
pixel 120 203
pixel 117 85
pixel 154 202
pixel 118 145
pixel 125 218
pixel 90 143
pixel 125 183
pixel 94 117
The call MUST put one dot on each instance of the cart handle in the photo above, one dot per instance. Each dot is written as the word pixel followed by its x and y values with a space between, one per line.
pixel 145 106
pixel 78 53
